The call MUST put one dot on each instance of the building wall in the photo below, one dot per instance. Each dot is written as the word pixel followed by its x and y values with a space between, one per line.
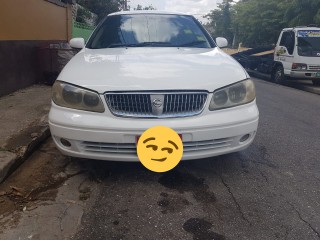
pixel 25 26
pixel 35 20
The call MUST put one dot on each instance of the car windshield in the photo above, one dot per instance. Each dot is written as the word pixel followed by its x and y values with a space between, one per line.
pixel 309 43
pixel 149 30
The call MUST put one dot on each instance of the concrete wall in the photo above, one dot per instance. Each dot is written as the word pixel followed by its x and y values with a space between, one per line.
pixel 26 25
pixel 19 65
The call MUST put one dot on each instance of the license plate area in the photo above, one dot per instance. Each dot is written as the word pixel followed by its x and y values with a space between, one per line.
pixel 138 137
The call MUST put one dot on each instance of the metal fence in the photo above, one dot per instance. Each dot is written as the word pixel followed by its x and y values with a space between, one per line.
pixel 81 30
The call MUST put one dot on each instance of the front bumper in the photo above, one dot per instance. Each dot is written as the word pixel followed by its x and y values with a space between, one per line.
pixel 103 136
pixel 305 75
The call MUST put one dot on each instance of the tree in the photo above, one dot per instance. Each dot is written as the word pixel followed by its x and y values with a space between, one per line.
pixel 101 7
pixel 220 21
pixel 140 7
pixel 82 15
pixel 259 22
pixel 317 18
pixel 301 13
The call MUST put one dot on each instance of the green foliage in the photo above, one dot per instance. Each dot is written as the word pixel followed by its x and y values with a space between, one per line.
pixel 317 18
pixel 258 22
pixel 82 15
pixel 221 21
pixel 81 30
pixel 301 13
pixel 101 7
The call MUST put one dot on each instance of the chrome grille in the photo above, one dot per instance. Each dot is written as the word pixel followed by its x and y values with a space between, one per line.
pixel 314 67
pixel 156 104
pixel 111 148
pixel 130 148
pixel 207 145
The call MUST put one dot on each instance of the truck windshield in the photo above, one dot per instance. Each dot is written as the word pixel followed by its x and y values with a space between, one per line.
pixel 309 43
pixel 149 30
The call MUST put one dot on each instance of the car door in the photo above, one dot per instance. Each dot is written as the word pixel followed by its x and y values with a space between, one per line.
pixel 285 50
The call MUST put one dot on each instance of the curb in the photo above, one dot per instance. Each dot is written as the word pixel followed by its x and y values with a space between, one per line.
pixel 310 89
pixel 11 160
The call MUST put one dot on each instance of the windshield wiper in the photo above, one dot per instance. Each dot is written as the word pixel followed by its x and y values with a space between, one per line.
pixel 155 44
pixel 116 45
pixel 192 43
pixel 142 44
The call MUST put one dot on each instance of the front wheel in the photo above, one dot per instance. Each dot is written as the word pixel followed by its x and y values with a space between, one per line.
pixel 316 82
pixel 278 75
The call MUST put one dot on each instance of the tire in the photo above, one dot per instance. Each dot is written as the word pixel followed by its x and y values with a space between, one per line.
pixel 278 76
pixel 316 82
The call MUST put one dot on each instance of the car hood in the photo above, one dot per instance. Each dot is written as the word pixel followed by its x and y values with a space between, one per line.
pixel 136 69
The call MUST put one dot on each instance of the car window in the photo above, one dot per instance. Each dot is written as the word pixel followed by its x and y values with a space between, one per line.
pixel 309 43
pixel 288 40
pixel 156 30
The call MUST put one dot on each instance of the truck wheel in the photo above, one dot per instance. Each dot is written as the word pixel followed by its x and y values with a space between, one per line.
pixel 278 76
pixel 316 82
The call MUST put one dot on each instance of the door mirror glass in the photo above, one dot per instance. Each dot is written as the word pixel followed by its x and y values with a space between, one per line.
pixel 221 42
pixel 77 43
pixel 281 51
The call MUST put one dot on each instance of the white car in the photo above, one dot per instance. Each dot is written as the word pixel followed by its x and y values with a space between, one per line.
pixel 150 68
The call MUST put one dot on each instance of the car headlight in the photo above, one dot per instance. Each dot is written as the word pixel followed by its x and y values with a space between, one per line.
pixel 234 95
pixel 70 96
pixel 299 66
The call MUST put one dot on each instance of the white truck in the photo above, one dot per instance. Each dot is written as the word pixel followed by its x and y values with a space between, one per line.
pixel 296 56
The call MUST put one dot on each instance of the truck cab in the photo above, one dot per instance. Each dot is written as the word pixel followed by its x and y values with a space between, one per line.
pixel 297 55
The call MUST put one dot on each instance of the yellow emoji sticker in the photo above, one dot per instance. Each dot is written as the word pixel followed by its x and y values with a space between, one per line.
pixel 160 149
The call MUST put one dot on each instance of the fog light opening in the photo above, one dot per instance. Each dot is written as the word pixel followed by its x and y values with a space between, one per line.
pixel 244 138
pixel 65 142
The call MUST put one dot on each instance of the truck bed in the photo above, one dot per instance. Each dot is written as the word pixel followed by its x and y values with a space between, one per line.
pixel 256 59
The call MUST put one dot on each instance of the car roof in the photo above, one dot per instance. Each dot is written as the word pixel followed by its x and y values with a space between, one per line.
pixel 148 12
pixel 301 28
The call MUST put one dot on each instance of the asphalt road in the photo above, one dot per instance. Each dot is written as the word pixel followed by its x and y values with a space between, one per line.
pixel 269 191
pixel 304 85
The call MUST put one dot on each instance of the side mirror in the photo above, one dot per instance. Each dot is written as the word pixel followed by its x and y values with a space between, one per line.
pixel 77 43
pixel 280 51
pixel 221 42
